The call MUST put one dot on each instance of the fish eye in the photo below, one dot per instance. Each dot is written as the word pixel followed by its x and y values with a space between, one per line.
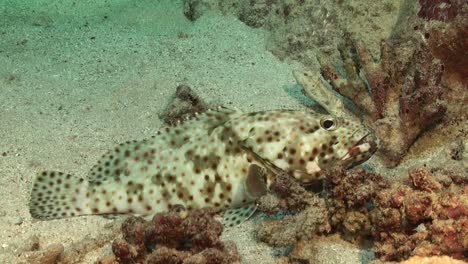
pixel 328 124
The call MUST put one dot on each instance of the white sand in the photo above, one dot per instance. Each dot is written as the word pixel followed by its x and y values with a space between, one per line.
pixel 77 77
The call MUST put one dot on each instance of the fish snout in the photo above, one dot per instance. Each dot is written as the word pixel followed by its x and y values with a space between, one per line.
pixel 361 151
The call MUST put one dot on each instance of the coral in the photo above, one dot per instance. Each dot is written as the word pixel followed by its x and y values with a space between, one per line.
pixel 289 195
pixel 401 96
pixel 432 260
pixel 423 181
pixel 405 91
pixel 311 217
pixel 421 218
pixel 442 10
pixel 349 200
pixel 301 226
pixel 174 237
pixel 449 43
pixel 185 104
pixel 426 215
pixel 354 188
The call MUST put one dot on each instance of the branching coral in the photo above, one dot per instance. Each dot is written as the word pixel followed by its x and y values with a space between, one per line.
pixel 405 91
pixel 174 237
pixel 449 43
pixel 400 96
pixel 442 10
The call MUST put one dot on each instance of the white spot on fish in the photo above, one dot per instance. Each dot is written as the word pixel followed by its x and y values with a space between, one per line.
pixel 312 167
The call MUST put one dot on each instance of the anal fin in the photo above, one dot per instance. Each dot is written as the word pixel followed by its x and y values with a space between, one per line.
pixel 235 216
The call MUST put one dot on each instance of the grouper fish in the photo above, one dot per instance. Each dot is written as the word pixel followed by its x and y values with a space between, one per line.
pixel 222 159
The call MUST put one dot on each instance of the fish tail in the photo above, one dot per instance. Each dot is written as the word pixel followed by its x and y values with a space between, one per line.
pixel 57 195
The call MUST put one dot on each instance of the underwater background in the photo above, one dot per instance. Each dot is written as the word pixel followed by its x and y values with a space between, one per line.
pixel 79 77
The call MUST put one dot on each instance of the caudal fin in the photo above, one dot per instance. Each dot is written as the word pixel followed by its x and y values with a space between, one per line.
pixel 57 195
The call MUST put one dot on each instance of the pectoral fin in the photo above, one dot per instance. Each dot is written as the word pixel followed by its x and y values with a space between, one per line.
pixel 256 181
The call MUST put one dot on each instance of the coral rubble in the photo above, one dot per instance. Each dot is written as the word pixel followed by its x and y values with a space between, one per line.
pixel 421 218
pixel 432 260
pixel 350 199
pixel 426 215
pixel 311 216
pixel 174 237
pixel 448 42
pixel 185 104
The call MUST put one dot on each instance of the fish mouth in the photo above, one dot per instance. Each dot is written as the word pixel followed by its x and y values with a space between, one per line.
pixel 361 151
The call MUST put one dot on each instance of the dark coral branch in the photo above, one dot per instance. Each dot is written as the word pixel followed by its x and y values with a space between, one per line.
pixel 450 45
pixel 421 101
pixel 441 10
pixel 350 86
pixel 377 76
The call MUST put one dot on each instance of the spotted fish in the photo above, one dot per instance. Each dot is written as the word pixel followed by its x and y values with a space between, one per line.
pixel 220 159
